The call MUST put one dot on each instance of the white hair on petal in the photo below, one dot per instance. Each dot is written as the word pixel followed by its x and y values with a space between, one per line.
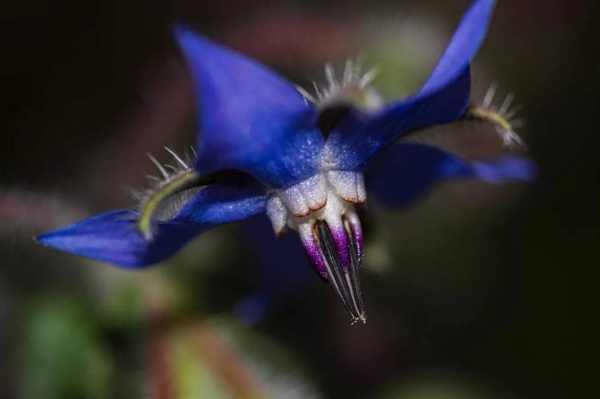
pixel 167 174
pixel 502 117
pixel 345 87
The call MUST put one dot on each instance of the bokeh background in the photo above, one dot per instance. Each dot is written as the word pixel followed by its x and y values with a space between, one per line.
pixel 477 292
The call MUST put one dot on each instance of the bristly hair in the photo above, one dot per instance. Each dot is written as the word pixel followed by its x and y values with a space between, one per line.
pixel 502 117
pixel 351 87
pixel 169 191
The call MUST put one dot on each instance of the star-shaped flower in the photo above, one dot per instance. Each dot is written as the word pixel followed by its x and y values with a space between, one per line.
pixel 265 146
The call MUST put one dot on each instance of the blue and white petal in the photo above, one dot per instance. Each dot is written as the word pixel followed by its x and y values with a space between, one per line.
pixel 404 173
pixel 443 98
pixel 249 118
pixel 114 237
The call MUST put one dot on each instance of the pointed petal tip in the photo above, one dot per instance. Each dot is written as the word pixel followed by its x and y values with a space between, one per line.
pixel 180 33
pixel 180 27
pixel 110 237
pixel 186 37
pixel 49 239
pixel 41 239
pixel 506 169
pixel 463 46
pixel 183 32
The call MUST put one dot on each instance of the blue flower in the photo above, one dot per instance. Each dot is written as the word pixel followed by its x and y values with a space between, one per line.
pixel 266 147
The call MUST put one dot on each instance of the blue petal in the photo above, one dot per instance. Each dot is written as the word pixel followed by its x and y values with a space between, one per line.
pixel 443 98
pixel 281 269
pixel 462 47
pixel 114 237
pixel 404 173
pixel 504 169
pixel 250 118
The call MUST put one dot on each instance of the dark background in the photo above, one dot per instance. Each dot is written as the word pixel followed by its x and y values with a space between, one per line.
pixel 477 292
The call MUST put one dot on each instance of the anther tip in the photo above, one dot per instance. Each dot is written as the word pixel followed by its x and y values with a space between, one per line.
pixel 355 319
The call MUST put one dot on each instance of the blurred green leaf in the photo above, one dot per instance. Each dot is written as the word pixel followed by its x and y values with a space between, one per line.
pixel 63 357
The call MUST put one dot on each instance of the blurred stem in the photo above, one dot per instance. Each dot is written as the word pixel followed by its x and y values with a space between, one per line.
pixel 159 305
pixel 157 353
pixel 225 364
pixel 189 359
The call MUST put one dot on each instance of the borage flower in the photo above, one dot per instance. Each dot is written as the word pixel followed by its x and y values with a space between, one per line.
pixel 264 146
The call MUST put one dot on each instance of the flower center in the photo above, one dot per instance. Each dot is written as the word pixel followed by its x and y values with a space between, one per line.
pixel 322 210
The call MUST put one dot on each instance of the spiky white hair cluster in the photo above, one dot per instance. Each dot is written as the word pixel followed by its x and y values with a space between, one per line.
pixel 169 191
pixel 502 117
pixel 166 173
pixel 351 87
